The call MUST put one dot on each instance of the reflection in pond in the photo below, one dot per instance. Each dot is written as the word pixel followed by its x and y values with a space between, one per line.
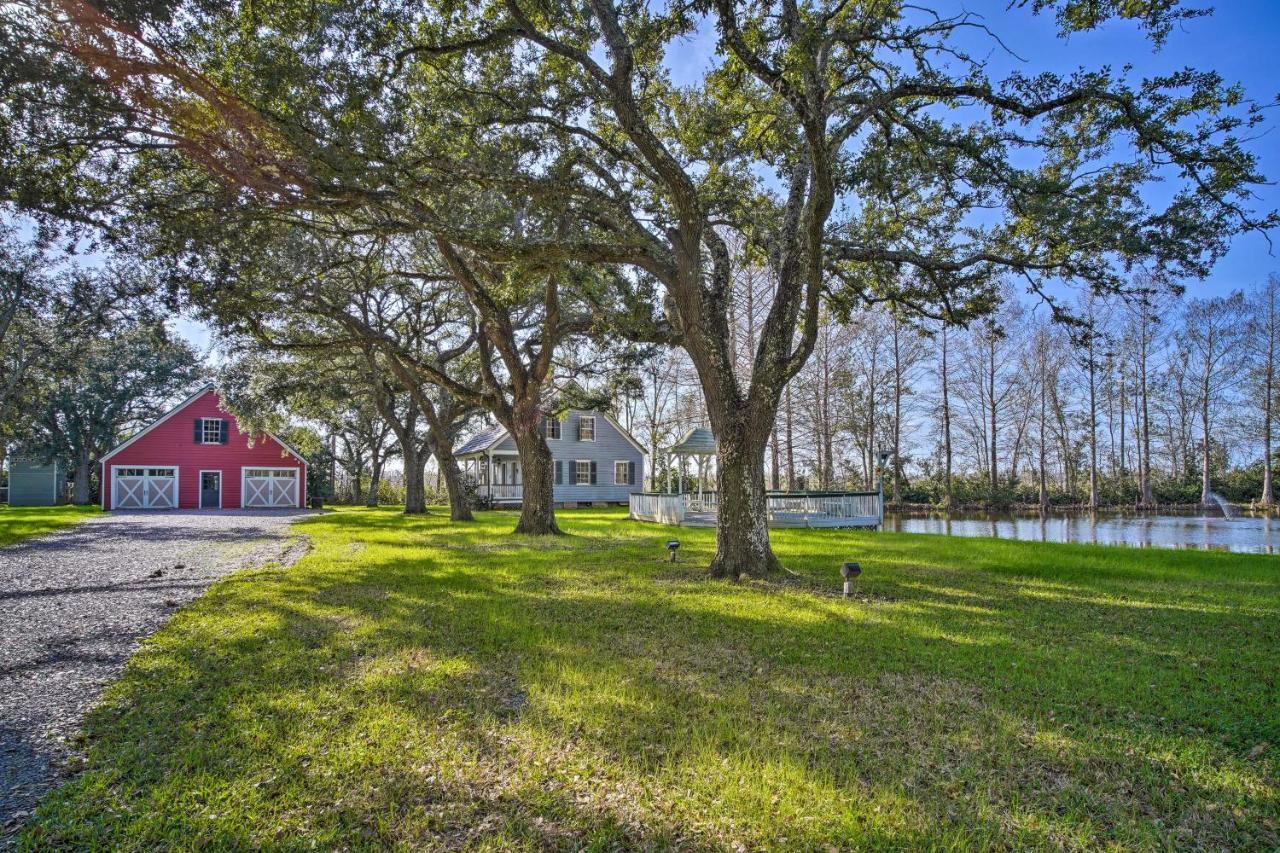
pixel 1246 534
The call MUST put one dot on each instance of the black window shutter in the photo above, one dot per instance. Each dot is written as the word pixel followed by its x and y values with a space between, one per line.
pixel 199 436
pixel 559 472
pixel 223 431
pixel 631 473
pixel 593 473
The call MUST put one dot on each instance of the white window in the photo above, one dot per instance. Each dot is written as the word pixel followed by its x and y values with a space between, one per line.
pixel 582 472
pixel 622 473
pixel 552 427
pixel 211 431
pixel 586 429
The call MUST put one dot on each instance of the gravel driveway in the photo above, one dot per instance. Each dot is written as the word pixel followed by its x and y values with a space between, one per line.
pixel 73 607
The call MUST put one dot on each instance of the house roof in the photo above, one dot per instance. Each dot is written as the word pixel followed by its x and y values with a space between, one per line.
pixel 494 435
pixel 696 442
pixel 178 408
pixel 482 440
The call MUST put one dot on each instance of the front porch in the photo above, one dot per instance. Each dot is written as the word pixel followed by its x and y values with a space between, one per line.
pixel 497 477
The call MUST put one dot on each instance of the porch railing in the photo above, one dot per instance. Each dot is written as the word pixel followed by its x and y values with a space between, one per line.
pixel 501 491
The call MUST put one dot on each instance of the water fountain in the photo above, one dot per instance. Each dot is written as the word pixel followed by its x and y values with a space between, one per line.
pixel 1228 509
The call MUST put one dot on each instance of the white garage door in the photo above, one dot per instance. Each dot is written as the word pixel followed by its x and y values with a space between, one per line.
pixel 270 487
pixel 144 488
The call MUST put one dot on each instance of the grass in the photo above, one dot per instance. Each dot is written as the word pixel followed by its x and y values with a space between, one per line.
pixel 413 683
pixel 23 522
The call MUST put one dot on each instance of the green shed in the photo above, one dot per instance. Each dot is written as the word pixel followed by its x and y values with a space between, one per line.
pixel 36 482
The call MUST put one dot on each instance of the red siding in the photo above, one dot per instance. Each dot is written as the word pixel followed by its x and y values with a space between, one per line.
pixel 173 443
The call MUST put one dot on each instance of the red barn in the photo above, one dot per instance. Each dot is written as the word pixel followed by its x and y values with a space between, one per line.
pixel 195 456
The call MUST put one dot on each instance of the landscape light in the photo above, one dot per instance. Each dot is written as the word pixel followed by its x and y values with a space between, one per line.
pixel 849 571
pixel 672 546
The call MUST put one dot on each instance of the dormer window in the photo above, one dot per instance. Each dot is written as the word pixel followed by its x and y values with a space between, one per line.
pixel 211 431
pixel 586 429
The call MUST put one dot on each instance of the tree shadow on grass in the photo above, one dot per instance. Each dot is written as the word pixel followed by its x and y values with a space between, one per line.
pixel 455 699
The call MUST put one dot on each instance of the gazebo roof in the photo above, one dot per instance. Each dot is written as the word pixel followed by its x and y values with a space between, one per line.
pixel 696 442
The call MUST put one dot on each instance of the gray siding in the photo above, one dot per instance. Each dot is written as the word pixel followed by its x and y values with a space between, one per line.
pixel 32 483
pixel 609 447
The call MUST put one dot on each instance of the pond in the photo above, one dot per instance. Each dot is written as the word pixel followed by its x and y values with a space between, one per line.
pixel 1244 534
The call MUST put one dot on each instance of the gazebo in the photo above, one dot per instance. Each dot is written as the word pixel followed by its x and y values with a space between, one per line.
pixel 700 445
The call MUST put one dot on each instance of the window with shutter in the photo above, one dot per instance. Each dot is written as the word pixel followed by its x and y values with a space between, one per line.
pixel 582 472
pixel 211 431
pixel 622 473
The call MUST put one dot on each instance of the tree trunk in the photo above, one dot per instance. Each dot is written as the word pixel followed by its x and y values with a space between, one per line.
pixel 991 398
pixel 1044 393
pixel 1269 377
pixel 948 495
pixel 81 496
pixel 1146 499
pixel 537 503
pixel 415 498
pixel 896 468
pixel 375 479
pixel 775 482
pixel 1204 422
pixel 447 466
pixel 742 533
pixel 1093 424
pixel 791 450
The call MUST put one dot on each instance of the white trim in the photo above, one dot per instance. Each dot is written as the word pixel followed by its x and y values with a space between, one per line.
pixel 140 433
pixel 200 491
pixel 297 483
pixel 177 486
pixel 587 462
pixel 280 441
pixel 559 437
pixel 618 462
pixel 591 417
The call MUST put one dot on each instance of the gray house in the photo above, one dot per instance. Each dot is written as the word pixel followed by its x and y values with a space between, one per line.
pixel 595 461
pixel 36 482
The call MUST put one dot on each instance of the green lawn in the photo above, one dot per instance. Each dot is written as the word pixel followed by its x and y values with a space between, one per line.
pixel 413 683
pixel 23 522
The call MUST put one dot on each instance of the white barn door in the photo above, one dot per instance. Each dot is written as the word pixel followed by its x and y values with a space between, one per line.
pixel 144 488
pixel 270 488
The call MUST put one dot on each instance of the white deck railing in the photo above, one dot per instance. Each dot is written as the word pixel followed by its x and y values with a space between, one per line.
pixel 664 509
pixel 817 509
